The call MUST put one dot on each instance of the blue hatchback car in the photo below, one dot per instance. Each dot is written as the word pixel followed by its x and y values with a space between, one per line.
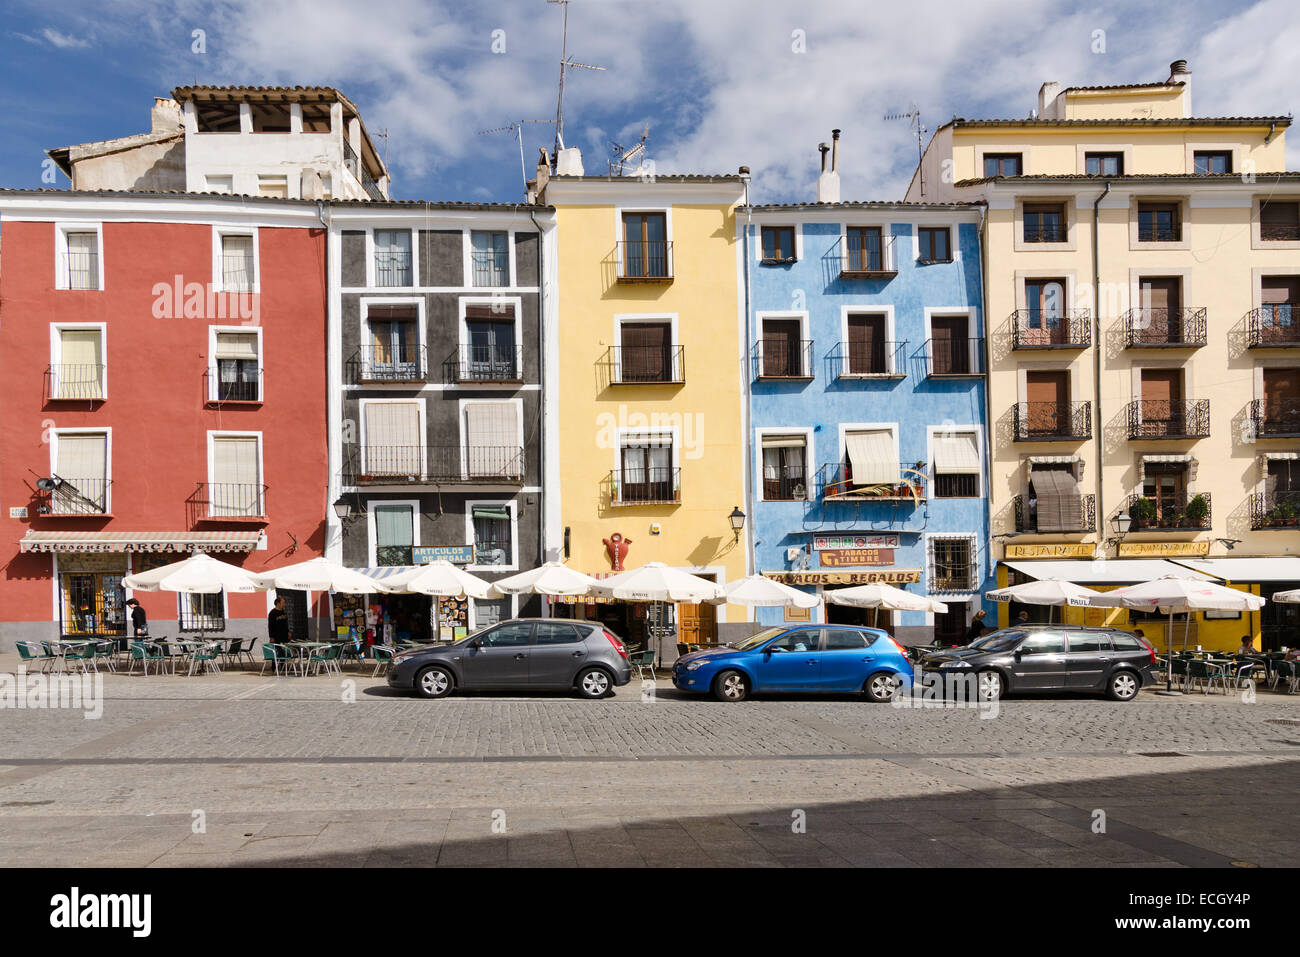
pixel 803 658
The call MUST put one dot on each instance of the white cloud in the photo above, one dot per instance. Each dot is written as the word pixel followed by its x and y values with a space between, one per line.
pixel 64 41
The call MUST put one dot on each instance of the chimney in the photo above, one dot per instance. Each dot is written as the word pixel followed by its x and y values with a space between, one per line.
pixel 828 183
pixel 1048 94
pixel 568 162
pixel 165 116
pixel 1178 73
pixel 543 170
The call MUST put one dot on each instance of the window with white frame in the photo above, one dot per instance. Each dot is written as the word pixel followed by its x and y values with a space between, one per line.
pixel 952 562
pixel 235 467
pixel 956 464
pixel 201 612
pixel 494 532
pixel 77 364
pixel 492 445
pixel 392 257
pixel 79 258
pixel 785 467
pixel 394 444
pixel 646 471
pixel 391 351
pixel 238 263
pixel 490 257
pixel 236 367
pixel 394 533
pixel 81 474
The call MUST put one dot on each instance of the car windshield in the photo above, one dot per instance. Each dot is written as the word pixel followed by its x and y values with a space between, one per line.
pixel 753 641
pixel 998 641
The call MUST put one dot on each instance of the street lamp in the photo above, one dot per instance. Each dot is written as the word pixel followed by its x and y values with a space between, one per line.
pixel 1121 523
pixel 343 509
pixel 737 519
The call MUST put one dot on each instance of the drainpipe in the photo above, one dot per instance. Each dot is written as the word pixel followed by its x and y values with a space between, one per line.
pixel 1096 361
pixel 988 392
pixel 747 398
pixel 541 384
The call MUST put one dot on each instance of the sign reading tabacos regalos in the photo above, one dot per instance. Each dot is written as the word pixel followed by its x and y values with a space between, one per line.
pixel 1070 550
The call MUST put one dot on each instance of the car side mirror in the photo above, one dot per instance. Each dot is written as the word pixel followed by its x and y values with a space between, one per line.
pixel 1019 654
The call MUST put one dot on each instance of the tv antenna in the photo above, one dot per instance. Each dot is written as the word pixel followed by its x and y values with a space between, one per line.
pixel 913 117
pixel 517 128
pixel 624 155
pixel 566 63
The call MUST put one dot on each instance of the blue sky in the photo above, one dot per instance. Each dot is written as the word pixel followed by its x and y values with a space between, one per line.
pixel 722 83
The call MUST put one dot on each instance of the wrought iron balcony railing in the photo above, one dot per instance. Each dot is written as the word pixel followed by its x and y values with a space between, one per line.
pixel 783 359
pixel 246 386
pixel 1038 329
pixel 955 357
pixel 1052 421
pixel 385 364
pixel 647 365
pixel 1276 510
pixel 1275 418
pixel 76 381
pixel 1170 513
pixel 649 261
pixel 490 267
pixel 1276 325
pixel 870 261
pixel 790 484
pixel 1026 512
pixel 75 496
pixel 838 484
pixel 879 358
pixel 646 486
pixel 1164 328
pixel 434 464
pixel 1279 233
pixel 1164 419
pixel 503 363
pixel 392 268
pixel 230 500
pixel 83 270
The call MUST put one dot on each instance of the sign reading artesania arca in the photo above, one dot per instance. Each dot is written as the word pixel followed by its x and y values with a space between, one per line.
pixel 894 576
pixel 822 543
pixel 1070 550
pixel 1163 549
pixel 846 557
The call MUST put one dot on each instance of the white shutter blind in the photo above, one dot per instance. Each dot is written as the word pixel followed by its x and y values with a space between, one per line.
pixel 82 457
pixel 394 445
pixel 81 360
pixel 83 260
pixel 237 345
pixel 871 457
pixel 492 438
pixel 956 453
pixel 237 263
pixel 236 480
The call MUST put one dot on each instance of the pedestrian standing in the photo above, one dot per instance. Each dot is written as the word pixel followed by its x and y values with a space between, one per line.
pixel 977 627
pixel 139 622
pixel 277 623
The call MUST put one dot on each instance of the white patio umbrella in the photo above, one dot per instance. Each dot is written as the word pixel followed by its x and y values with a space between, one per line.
pixel 1287 597
pixel 553 578
pixel 655 582
pixel 879 595
pixel 1171 595
pixel 761 591
pixel 1045 591
pixel 442 579
pixel 199 574
pixel 321 574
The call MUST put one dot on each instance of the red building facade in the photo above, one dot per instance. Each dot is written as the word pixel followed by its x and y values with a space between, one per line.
pixel 162 375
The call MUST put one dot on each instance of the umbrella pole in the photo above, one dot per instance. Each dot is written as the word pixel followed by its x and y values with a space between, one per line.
pixel 1169 644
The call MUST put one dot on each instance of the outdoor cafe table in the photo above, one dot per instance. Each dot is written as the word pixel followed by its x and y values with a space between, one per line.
pixel 304 649
pixel 63 645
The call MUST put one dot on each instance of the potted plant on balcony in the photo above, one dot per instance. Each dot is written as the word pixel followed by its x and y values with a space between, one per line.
pixel 1143 512
pixel 1283 513
pixel 1198 509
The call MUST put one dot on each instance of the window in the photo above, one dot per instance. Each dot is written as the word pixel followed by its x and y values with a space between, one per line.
pixel 646 352
pixel 490 258
pixel 1089 641
pixel 778 244
pixel 956 464
pixel 805 639
pixel 394 534
pixel 1165 486
pixel 1002 164
pixel 1043 644
pixel 646 472
pixel 77 367
pixel 270 117
pixel 392 257
pixel 201 612
pixel 80 259
pixel 1103 164
pixel 553 633
pixel 842 639
pixel 392 349
pixel 221 184
pixel 952 561
pixel 934 244
pixel 1212 161
pixel 952 350
pixel 273 187
pixel 394 440
pixel 493 535
pixel 237 366
pixel 1281 402
pixel 491 350
pixel 1280 307
pixel 238 266
pixel 1159 223
pixel 81 472
pixel 1054 500
pixel 868 352
pixel 872 457
pixel 511 635
pixel 645 245
pixel 1282 481
pixel 1045 303
pixel 865 249
pixel 1279 221
pixel 1044 223
pixel 785 468
pixel 235 489
pixel 493 447
pixel 782 349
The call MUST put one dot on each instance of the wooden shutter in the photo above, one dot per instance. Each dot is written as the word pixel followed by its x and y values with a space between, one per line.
pixel 394 445
pixel 867 344
pixel 645 351
pixel 781 347
pixel 951 355
pixel 492 439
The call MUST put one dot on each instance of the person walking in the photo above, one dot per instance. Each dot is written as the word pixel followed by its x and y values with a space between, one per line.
pixel 139 623
pixel 277 623
pixel 977 627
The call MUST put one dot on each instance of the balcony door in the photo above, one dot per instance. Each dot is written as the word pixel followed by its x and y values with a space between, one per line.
pixel 393 342
pixel 1162 402
pixel 1166 486
pixel 645 353
pixel 1161 310
pixel 1044 313
pixel 82 464
pixel 1279 296
pixel 493 447
pixel 781 354
pixel 867 350
pixel 1281 400
pixel 236 490
pixel 490 330
pixel 1047 397
pixel 647 471
pixel 645 250
pixel 951 345
pixel 394 444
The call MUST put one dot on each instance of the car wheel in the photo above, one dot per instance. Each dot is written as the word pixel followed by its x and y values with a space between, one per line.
pixel 883 686
pixel 433 682
pixel 730 686
pixel 990 685
pixel 593 683
pixel 1122 686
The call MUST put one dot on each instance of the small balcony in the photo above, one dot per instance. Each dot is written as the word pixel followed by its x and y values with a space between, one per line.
pixel 881 359
pixel 1275 326
pixel 646 365
pixel 1278 510
pixel 1275 418
pixel 487 364
pixel 954 358
pixel 1164 329
pixel 75 382
pixel 1026 513
pixel 869 262
pixel 783 359
pixel 838 484
pixel 490 268
pixel 387 465
pixel 477 463
pixel 642 261
pixel 1163 419
pixel 244 388
pixel 1046 232
pixel 228 502
pixel 74 497
pixel 1035 329
pixel 789 485
pixel 1052 421
pixel 1160 232
pixel 383 365
pixel 393 268
pixel 1170 513
pixel 646 486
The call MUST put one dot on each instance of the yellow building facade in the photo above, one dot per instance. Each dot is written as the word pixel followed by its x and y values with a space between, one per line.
pixel 1144 370
pixel 649 388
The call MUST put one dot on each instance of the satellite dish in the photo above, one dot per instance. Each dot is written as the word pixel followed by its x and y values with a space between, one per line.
pixel 48 484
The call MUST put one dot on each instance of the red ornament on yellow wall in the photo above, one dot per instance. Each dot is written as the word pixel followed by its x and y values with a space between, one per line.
pixel 617 547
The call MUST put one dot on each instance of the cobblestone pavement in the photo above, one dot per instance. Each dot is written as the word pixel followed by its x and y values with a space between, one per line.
pixel 237 769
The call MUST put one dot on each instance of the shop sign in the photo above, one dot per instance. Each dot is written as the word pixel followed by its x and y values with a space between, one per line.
pixel 456 554
pixel 1064 550
pixel 894 576
pixel 824 543
pixel 1163 549
pixel 842 557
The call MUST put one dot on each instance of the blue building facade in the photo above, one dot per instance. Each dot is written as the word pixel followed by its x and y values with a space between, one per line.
pixel 868 443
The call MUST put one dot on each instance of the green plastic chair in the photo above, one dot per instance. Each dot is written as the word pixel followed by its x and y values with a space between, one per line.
pixel 642 661
pixel 276 654
pixel 208 653
pixel 1203 671
pixel 329 657
pixel 82 655
pixel 383 656
pixel 31 651
pixel 144 654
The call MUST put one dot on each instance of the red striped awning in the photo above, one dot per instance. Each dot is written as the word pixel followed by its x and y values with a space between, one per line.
pixel 99 542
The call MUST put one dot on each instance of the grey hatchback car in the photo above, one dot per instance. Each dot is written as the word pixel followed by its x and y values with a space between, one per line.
pixel 536 653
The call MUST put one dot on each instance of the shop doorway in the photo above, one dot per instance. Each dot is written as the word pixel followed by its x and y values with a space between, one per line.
pixel 295 606
pixel 867 617
pixel 1279 622
pixel 950 626
pixel 698 624
pixel 92 604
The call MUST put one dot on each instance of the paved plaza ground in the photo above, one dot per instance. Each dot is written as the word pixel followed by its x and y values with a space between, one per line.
pixel 235 769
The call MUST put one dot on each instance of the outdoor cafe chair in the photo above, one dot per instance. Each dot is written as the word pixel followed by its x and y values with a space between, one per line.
pixel 329 657
pixel 31 651
pixel 144 654
pixel 206 654
pixel 81 654
pixel 383 655
pixel 1179 671
pixel 106 652
pixel 643 660
pixel 277 654
pixel 1284 669
pixel 1200 670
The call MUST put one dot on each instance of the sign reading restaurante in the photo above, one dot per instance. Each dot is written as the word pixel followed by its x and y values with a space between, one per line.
pixel 1072 550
